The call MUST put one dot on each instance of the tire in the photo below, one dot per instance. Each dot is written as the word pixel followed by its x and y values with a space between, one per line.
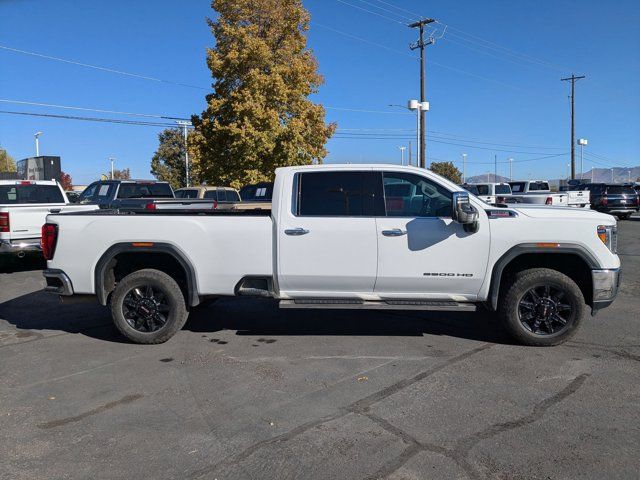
pixel 142 300
pixel 536 322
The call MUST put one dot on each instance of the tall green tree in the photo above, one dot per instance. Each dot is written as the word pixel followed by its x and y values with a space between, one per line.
pixel 7 163
pixel 259 116
pixel 447 170
pixel 168 163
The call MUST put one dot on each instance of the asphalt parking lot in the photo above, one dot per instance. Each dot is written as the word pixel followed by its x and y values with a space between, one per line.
pixel 247 391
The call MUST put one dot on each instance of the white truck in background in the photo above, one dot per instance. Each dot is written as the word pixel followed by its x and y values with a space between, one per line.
pixel 489 192
pixel 342 237
pixel 24 206
pixel 538 192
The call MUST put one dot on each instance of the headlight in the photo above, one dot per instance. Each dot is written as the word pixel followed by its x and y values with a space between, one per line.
pixel 609 236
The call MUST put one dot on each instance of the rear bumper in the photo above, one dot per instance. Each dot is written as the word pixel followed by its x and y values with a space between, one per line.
pixel 618 209
pixel 57 282
pixel 605 287
pixel 20 246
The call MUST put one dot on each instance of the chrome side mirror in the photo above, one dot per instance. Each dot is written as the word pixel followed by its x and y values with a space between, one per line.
pixel 463 212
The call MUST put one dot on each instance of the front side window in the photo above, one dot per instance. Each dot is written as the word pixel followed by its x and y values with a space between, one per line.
pixel 340 194
pixel 503 189
pixel 210 195
pixel 410 195
pixel 88 193
pixel 517 187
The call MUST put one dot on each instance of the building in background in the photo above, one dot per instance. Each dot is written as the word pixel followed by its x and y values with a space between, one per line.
pixel 39 168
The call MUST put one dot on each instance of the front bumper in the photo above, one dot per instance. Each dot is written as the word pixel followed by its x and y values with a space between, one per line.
pixel 18 247
pixel 57 282
pixel 605 287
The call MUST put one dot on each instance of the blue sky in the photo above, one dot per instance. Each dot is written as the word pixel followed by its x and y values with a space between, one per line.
pixel 485 100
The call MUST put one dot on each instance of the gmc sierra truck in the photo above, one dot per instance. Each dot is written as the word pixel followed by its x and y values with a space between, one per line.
pixel 343 237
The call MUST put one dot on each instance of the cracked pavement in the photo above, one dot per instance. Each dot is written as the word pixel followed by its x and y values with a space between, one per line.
pixel 247 391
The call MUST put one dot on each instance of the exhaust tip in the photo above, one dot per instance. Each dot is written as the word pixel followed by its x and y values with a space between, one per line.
pixel 21 254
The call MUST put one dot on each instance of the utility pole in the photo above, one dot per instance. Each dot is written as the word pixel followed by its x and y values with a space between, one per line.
pixel 410 163
pixel 573 79
pixel 464 165
pixel 402 149
pixel 184 126
pixel 511 169
pixel 495 168
pixel 421 44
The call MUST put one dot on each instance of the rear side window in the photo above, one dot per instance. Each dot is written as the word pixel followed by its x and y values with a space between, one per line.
pixel 222 195
pixel 211 195
pixel 145 190
pixel 340 194
pixel 483 189
pixel 232 196
pixel 16 194
pixel 471 188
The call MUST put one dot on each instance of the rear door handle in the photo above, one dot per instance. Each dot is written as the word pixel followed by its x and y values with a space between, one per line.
pixel 296 232
pixel 395 232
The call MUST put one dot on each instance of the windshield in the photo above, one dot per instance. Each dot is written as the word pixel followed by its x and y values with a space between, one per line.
pixel 16 194
pixel 256 193
pixel 145 190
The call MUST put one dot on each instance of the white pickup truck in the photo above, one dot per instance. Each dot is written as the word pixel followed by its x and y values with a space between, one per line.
pixel 343 237
pixel 538 192
pixel 24 206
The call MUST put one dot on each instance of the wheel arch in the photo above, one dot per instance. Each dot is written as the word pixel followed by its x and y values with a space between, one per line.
pixel 147 255
pixel 534 256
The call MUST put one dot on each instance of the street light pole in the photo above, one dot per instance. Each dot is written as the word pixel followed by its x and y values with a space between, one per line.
pixel 464 167
pixel 184 126
pixel 582 142
pixel 402 149
pixel 37 137
pixel 511 169
pixel 111 159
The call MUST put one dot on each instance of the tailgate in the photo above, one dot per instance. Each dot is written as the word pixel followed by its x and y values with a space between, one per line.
pixel 26 221
pixel 579 197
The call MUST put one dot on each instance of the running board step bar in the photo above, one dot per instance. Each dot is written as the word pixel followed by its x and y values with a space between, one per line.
pixel 347 303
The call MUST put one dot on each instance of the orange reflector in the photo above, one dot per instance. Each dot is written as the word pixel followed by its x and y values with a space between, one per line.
pixel 548 245
pixel 142 244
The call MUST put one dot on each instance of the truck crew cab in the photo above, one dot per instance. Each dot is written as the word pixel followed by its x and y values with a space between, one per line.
pixel 343 236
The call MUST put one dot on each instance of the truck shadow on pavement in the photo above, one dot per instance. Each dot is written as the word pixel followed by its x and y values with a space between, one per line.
pixel 41 311
pixel 26 264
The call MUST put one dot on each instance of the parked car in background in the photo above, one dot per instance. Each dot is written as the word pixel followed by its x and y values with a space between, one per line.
pixel 226 197
pixel 536 192
pixel 491 193
pixel 24 206
pixel 343 237
pixel 256 197
pixel 614 199
pixel 129 194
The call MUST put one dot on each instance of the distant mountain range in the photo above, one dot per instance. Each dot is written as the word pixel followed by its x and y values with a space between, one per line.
pixel 604 175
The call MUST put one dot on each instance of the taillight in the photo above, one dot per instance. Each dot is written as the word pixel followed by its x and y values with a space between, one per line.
pixel 49 240
pixel 501 200
pixel 549 201
pixel 150 206
pixel 215 205
pixel 604 201
pixel 4 222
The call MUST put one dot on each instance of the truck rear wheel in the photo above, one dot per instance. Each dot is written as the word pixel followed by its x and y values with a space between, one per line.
pixel 148 307
pixel 542 307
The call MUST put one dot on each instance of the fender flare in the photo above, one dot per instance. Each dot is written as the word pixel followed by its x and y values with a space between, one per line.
pixel 193 298
pixel 524 248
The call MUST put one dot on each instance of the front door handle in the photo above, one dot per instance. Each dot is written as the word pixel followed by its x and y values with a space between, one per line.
pixel 395 232
pixel 296 232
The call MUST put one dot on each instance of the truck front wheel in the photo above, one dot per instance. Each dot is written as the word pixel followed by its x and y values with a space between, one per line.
pixel 542 307
pixel 148 307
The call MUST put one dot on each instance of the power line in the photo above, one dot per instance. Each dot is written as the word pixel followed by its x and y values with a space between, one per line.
pixel 384 112
pixel 97 67
pixel 92 119
pixel 84 109
pixel 386 10
pixel 371 12
pixel 415 15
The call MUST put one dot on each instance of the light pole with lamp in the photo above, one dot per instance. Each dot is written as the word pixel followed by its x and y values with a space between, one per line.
pixel 37 137
pixel 582 142
pixel 464 167
pixel 185 126
pixel 402 149
pixel 111 159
